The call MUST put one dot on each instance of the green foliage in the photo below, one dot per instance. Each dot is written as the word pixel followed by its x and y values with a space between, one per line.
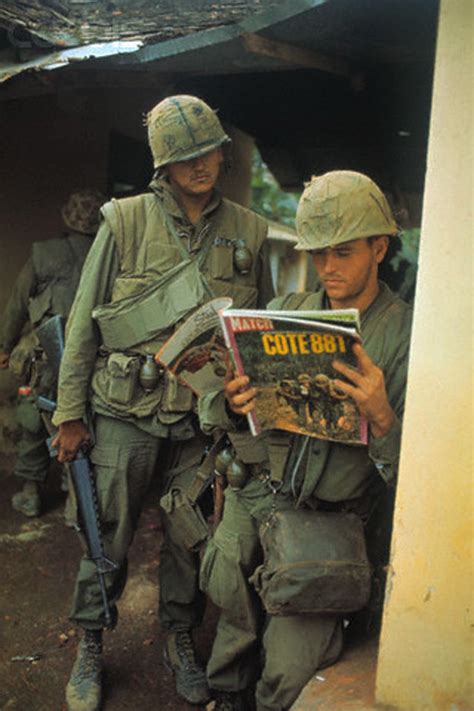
pixel 405 263
pixel 267 197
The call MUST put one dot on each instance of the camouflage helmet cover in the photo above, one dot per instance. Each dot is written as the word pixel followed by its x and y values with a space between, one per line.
pixel 183 127
pixel 341 206
pixel 81 211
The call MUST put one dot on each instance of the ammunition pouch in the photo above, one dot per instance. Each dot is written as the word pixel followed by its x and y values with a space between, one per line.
pixel 123 381
pixel 115 383
pixel 315 562
pixel 176 397
pixel 185 522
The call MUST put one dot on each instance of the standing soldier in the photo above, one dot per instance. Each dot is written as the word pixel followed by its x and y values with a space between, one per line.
pixel 156 258
pixel 45 287
pixel 345 222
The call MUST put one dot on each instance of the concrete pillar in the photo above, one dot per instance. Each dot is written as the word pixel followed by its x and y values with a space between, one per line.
pixel 425 658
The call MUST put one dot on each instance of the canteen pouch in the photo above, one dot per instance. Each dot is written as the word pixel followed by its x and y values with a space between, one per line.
pixel 315 562
pixel 184 520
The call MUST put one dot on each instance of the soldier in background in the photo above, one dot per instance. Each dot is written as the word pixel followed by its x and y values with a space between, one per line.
pixel 156 258
pixel 45 287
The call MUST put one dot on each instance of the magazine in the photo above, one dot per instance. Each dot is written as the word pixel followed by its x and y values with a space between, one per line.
pixel 288 357
pixel 196 352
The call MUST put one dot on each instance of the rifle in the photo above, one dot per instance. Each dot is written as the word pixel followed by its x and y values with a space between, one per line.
pixel 51 337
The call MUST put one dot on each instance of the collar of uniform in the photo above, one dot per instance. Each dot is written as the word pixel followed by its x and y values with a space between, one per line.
pixel 384 298
pixel 162 188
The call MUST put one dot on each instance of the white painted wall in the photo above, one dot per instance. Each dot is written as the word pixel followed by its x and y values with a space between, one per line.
pixel 425 659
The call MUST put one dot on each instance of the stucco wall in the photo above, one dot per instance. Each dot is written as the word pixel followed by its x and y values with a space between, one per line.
pixel 425 659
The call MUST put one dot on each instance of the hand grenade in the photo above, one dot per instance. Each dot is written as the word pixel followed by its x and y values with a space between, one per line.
pixel 149 374
pixel 237 474
pixel 242 257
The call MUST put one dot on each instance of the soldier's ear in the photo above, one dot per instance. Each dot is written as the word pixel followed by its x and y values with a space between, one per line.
pixel 380 246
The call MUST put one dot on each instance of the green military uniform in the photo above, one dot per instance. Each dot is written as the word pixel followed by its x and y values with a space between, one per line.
pixel 45 287
pixel 334 477
pixel 148 268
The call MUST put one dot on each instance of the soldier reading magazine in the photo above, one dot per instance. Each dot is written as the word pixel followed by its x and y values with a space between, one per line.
pixel 328 490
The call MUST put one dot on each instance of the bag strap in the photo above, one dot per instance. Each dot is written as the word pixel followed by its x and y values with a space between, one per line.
pixel 277 446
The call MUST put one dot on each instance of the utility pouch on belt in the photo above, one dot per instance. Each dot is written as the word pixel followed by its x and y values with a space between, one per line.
pixel 139 318
pixel 123 371
pixel 176 397
pixel 185 521
pixel 314 562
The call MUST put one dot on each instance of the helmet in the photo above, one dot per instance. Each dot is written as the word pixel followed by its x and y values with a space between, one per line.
pixel 304 378
pixel 340 206
pixel 183 127
pixel 81 211
pixel 321 381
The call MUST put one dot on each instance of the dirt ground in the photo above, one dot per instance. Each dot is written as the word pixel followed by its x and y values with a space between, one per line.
pixel 38 562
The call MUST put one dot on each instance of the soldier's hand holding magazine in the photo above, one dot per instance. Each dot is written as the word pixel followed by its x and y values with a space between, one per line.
pixel 367 390
pixel 239 396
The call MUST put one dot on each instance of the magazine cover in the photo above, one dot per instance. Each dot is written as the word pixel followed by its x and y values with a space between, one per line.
pixel 289 360
pixel 197 353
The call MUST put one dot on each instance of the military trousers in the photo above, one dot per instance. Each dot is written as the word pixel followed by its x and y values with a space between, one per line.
pixel 182 603
pixel 290 649
pixel 32 456
pixel 124 460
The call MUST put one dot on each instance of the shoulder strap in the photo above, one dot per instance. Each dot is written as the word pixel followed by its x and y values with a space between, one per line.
pixel 128 216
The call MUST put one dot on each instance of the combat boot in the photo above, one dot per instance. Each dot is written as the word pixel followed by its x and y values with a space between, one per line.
pixel 84 688
pixel 180 658
pixel 27 501
pixel 228 701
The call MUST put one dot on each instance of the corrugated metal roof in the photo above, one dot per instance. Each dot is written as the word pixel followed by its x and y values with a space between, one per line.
pixel 40 34
pixel 209 37
pixel 76 22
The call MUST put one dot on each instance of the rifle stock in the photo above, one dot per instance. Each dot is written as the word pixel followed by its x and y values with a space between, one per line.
pixel 51 338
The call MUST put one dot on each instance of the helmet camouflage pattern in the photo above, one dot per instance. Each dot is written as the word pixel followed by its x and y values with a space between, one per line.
pixel 341 206
pixel 81 211
pixel 183 127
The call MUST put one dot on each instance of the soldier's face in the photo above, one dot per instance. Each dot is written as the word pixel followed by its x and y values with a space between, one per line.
pixel 197 176
pixel 349 271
